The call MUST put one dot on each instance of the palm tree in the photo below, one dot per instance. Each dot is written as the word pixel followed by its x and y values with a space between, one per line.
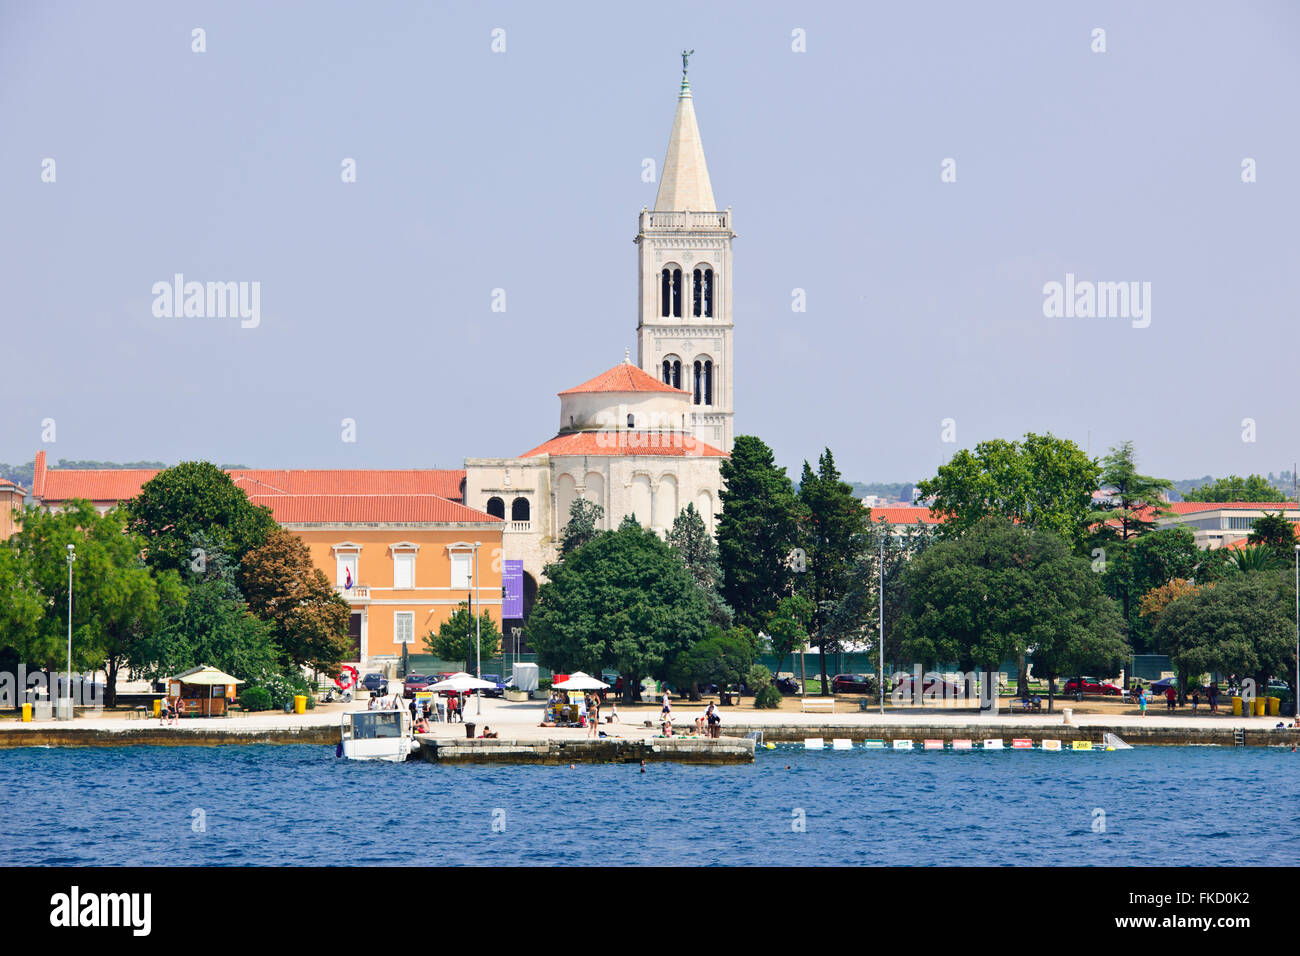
pixel 1254 558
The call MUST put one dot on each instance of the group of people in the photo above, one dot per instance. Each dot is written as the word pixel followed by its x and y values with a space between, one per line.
pixel 1139 694
pixel 172 710
pixel 707 724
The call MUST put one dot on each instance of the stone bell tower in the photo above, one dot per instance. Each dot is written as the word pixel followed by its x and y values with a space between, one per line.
pixel 684 321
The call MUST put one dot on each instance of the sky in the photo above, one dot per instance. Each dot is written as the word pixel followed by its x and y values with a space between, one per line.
pixel 830 129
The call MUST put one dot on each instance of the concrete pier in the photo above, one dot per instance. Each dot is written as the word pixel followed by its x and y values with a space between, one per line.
pixel 555 750
pixel 1137 735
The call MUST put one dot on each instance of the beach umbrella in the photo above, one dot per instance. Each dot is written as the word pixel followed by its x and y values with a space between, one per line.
pixel 580 681
pixel 462 682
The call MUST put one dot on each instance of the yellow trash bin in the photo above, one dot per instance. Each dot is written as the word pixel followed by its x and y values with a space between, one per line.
pixel 157 706
pixel 27 713
pixel 1260 706
pixel 299 704
pixel 1274 706
pixel 1236 706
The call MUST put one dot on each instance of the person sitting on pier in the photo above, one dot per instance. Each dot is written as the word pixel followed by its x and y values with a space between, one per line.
pixel 668 729
pixel 422 725
pixel 489 733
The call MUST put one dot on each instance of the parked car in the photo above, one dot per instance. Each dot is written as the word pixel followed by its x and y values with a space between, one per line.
pixel 852 684
pixel 500 688
pixel 375 683
pixel 787 685
pixel 931 687
pixel 1093 686
pixel 414 682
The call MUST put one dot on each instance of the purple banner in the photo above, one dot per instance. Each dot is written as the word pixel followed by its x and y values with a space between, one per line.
pixel 512 581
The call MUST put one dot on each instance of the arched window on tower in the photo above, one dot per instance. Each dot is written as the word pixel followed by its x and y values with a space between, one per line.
pixel 519 510
pixel 671 281
pixel 708 382
pixel 496 507
pixel 708 293
pixel 697 293
pixel 699 370
pixel 672 371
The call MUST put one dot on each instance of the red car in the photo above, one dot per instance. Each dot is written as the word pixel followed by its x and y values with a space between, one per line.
pixel 1092 686
pixel 852 684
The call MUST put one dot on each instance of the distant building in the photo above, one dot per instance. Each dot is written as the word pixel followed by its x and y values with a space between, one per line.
pixel 11 500
pixel 1218 524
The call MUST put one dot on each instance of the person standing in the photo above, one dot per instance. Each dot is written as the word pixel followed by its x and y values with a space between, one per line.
pixel 593 716
pixel 1214 697
pixel 713 720
pixel 666 712
pixel 582 709
pixel 1196 699
pixel 1170 697
pixel 1142 701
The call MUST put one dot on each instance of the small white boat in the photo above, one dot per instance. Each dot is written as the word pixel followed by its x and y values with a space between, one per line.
pixel 377 735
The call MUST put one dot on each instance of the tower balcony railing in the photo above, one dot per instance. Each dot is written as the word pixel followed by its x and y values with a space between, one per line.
pixel 519 526
pixel 686 221
pixel 358 592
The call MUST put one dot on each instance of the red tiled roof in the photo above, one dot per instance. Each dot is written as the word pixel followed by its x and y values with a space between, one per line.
pixel 342 509
pixel 98 485
pixel 1188 507
pixel 905 514
pixel 6 483
pixel 623 377
pixel 119 484
pixel 675 444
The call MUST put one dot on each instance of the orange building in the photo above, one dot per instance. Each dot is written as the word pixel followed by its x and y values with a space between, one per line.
pixel 11 500
pixel 398 545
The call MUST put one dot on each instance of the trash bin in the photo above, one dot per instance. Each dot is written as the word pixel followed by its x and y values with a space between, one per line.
pixel 299 704
pixel 1274 706
pixel 469 730
pixel 157 706
pixel 1236 706
pixel 288 707
pixel 1261 707
pixel 27 713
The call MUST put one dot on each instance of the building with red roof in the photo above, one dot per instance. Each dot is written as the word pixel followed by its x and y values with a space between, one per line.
pixel 397 544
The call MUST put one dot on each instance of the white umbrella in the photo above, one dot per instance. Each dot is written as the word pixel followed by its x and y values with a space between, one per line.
pixel 462 682
pixel 580 681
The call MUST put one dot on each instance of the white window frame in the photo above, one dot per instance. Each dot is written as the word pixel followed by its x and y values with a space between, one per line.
pixel 397 630
pixel 403 559
pixel 468 558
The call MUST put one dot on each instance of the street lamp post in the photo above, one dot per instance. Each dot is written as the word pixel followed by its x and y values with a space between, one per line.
pixel 881 686
pixel 67 709
pixel 478 643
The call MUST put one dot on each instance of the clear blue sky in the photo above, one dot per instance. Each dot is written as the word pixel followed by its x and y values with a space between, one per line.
pixel 522 171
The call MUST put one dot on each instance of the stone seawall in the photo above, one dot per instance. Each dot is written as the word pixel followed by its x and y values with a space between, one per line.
pixel 724 750
pixel 1136 735
pixel 155 736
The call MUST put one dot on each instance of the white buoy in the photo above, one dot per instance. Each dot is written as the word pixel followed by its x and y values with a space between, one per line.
pixel 814 743
pixel 841 743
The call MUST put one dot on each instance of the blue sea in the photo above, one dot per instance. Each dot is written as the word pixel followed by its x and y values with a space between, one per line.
pixel 299 805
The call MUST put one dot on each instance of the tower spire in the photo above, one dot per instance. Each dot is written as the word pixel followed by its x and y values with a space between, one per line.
pixel 685 183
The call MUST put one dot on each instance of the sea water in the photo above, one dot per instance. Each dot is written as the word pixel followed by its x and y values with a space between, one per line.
pixel 299 805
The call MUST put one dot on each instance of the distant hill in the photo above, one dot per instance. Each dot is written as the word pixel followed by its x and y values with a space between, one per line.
pixel 900 491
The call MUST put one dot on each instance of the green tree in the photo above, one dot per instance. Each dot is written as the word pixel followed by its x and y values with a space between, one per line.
pixel 1157 557
pixel 1236 488
pixel 691 541
pixel 757 531
pixel 1134 503
pixel 789 626
pixel 1254 559
pixel 1040 481
pixel 193 497
pixel 1003 589
pixel 309 620
pixel 1276 533
pixel 623 600
pixel 455 637
pixel 211 628
pixel 116 600
pixel 22 609
pixel 583 525
pixel 833 527
pixel 1243 625
pixel 720 657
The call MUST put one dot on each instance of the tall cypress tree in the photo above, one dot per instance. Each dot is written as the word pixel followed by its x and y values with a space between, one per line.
pixel 833 531
pixel 757 531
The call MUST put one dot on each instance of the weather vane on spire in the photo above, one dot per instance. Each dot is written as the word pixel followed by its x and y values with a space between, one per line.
pixel 686 55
